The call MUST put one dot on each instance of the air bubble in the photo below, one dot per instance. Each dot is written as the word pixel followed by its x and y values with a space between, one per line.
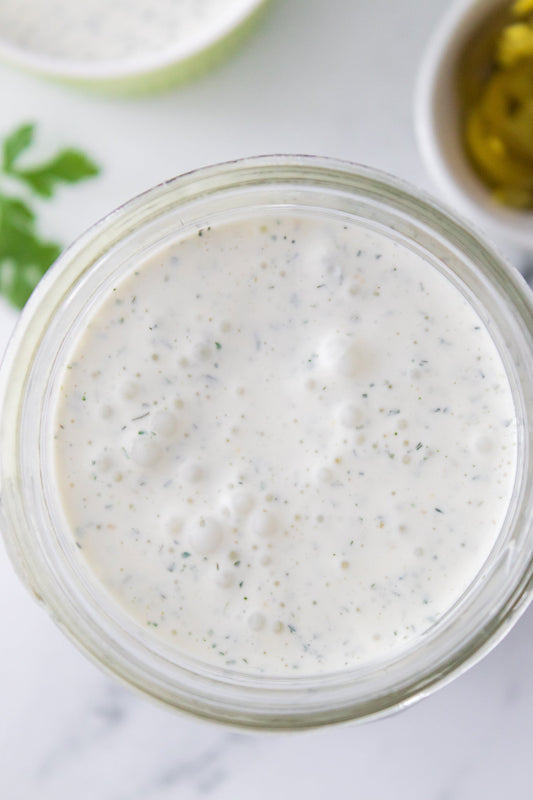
pixel 174 525
pixel 164 423
pixel 225 579
pixel 145 452
pixel 104 462
pixel 334 350
pixel 192 472
pixel 205 535
pixel 344 356
pixel 129 390
pixel 351 417
pixel 256 621
pixel 202 351
pixel 324 474
pixel 241 502
pixel 263 523
pixel 484 444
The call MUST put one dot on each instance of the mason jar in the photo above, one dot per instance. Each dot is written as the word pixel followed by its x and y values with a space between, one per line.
pixel 43 549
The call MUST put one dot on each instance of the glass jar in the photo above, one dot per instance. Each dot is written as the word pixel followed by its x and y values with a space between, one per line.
pixel 44 553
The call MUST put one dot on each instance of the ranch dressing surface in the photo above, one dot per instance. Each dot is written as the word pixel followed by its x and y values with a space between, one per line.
pixel 285 444
pixel 98 30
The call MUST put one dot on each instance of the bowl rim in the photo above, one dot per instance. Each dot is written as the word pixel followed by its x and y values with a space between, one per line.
pixel 434 79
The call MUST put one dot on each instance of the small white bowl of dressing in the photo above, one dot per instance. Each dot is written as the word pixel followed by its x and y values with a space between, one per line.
pixel 122 46
pixel 466 27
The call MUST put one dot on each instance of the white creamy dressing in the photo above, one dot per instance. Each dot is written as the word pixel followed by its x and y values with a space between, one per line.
pixel 97 30
pixel 285 443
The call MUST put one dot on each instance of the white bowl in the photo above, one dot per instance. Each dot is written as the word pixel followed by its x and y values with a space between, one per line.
pixel 137 71
pixel 438 126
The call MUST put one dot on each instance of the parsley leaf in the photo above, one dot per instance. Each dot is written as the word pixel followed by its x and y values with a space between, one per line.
pixel 24 254
pixel 15 144
pixel 68 166
pixel 24 257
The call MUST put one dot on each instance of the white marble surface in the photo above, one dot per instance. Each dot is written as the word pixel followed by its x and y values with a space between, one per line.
pixel 332 78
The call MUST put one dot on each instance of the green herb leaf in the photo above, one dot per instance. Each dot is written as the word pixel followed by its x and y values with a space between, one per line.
pixel 68 166
pixel 15 144
pixel 24 257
